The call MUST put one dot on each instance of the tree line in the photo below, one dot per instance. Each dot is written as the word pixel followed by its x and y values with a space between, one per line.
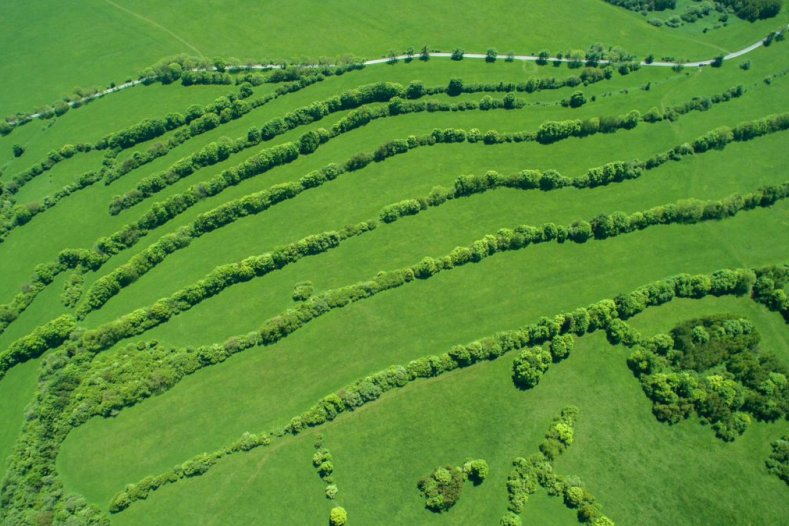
pixel 581 321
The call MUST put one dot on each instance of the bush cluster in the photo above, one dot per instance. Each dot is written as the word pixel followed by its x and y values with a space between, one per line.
pixel 580 321
pixel 441 489
pixel 537 470
pixel 712 366
pixel 72 291
pixel 338 516
pixel 43 337
pixel 778 462
pixel 529 366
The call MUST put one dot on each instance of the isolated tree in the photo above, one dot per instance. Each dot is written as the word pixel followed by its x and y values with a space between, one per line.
pixel 491 55
pixel 457 54
pixel 577 100
pixel 717 61
pixel 424 55
pixel 338 516
pixel 18 150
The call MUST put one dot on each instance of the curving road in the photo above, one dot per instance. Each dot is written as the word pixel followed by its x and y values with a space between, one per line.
pixel 524 58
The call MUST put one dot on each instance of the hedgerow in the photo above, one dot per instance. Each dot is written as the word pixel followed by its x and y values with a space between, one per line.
pixel 53 422
pixel 111 284
pixel 127 385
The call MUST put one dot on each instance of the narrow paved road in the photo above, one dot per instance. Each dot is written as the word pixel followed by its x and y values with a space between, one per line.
pixel 524 58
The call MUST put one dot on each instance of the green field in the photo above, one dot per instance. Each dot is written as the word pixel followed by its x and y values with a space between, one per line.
pixel 201 284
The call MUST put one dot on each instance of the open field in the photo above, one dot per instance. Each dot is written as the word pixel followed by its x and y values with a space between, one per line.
pixel 203 283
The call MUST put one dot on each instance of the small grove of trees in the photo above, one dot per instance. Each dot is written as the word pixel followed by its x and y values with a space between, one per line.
pixel 441 489
pixel 645 5
pixel 537 470
pixel 712 366
pixel 752 10
pixel 598 316
pixel 747 9
pixel 302 291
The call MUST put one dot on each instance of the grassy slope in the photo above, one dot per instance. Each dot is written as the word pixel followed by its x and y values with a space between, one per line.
pixel 117 44
pixel 418 319
pixel 415 173
pixel 708 176
pixel 383 449
pixel 255 391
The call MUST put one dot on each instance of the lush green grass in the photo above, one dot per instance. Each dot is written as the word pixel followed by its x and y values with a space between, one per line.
pixel 641 471
pixel 627 459
pixel 408 324
pixel 419 319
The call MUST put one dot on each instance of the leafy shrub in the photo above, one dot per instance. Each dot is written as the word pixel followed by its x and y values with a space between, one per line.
pixel 441 489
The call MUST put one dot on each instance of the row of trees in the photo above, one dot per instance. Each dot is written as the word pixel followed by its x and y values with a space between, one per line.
pixel 233 210
pixel 317 305
pixel 43 337
pixel 371 93
pixel 146 260
pixel 601 227
pixel 597 316
pixel 23 213
pixel 54 157
pixel 180 136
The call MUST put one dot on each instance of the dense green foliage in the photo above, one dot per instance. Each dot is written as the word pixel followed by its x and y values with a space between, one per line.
pixel 778 462
pixel 442 488
pixel 712 366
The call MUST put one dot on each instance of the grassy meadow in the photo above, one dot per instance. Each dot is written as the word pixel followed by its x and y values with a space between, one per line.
pixel 62 463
